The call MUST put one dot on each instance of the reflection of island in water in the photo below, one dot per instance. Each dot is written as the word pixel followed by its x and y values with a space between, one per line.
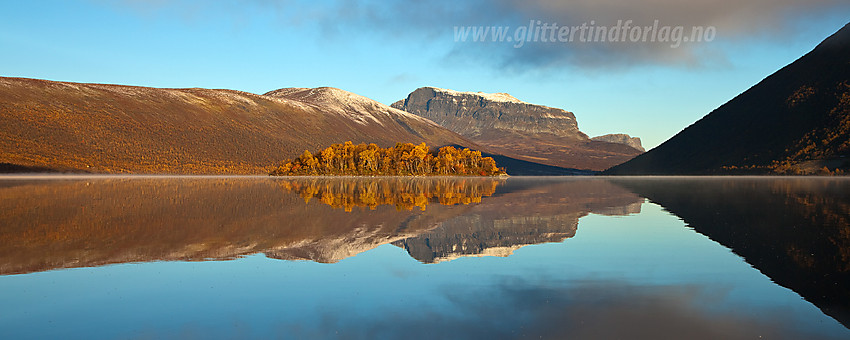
pixel 794 230
pixel 402 192
pixel 521 217
pixel 51 224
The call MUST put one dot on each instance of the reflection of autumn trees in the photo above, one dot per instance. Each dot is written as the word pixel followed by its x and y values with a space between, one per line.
pixel 403 159
pixel 403 193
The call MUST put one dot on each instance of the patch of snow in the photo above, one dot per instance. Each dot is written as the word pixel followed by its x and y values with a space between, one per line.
pixel 496 97
pixel 360 109
pixel 120 89
pixel 494 251
pixel 333 250
pixel 551 116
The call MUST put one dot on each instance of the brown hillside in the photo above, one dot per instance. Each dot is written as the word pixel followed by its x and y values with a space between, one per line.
pixel 128 129
pixel 558 151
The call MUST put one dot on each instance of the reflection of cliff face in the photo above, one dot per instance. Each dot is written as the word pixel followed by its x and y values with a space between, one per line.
pixel 474 235
pixel 402 192
pixel 796 231
pixel 82 222
pixel 535 211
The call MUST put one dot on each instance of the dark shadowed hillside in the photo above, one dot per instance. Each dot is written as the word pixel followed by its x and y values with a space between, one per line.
pixel 796 120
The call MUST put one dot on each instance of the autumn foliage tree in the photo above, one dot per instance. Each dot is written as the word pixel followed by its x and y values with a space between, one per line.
pixel 404 159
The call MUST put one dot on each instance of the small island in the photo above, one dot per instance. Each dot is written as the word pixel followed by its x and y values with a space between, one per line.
pixel 404 159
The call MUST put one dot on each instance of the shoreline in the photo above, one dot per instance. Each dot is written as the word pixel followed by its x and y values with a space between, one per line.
pixel 51 175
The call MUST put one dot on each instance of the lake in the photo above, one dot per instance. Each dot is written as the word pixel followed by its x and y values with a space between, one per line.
pixel 141 257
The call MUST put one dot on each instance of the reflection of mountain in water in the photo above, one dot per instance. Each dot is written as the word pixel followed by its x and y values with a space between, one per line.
pixel 476 235
pixel 97 221
pixel 535 211
pixel 796 231
pixel 82 222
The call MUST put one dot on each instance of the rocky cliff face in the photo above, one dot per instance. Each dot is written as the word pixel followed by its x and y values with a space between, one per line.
pixel 511 127
pixel 475 235
pixel 484 114
pixel 620 138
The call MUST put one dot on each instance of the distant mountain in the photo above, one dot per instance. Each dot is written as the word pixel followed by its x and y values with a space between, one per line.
pixel 48 125
pixel 621 138
pixel 508 126
pixel 518 167
pixel 796 120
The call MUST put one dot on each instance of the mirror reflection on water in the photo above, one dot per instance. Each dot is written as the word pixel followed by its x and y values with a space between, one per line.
pixel 237 257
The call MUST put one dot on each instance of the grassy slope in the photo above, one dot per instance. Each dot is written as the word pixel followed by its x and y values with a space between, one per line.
pixel 117 129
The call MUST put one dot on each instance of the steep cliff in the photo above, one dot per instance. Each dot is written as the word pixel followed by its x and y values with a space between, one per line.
pixel 509 126
pixel 489 115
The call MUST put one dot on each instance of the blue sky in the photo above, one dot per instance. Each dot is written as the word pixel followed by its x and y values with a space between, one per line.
pixel 386 49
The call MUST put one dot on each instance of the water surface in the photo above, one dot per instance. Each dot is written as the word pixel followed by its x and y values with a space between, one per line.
pixel 240 257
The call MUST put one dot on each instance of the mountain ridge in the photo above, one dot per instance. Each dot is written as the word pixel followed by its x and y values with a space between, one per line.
pixel 621 138
pixel 104 128
pixel 797 115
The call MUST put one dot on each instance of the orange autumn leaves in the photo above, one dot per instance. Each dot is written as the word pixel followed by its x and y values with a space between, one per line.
pixel 404 159
pixel 403 193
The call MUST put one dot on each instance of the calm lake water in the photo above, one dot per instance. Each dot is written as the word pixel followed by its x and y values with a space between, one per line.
pixel 579 258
